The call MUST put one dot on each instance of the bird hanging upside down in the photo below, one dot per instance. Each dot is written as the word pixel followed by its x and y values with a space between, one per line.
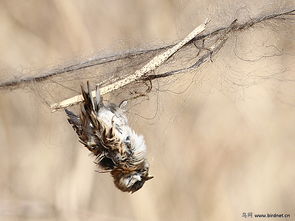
pixel 104 130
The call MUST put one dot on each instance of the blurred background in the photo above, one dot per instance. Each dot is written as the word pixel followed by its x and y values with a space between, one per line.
pixel 220 141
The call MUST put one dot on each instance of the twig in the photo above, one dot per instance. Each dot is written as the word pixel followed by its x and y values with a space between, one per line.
pixel 150 66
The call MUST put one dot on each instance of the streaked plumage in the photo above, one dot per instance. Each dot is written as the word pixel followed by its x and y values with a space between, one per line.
pixel 104 130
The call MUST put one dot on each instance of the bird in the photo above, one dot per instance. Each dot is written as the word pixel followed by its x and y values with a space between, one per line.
pixel 104 130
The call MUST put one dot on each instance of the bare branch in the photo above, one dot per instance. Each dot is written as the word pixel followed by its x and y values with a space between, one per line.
pixel 150 66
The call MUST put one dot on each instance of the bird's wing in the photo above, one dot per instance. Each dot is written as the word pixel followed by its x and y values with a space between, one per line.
pixel 93 133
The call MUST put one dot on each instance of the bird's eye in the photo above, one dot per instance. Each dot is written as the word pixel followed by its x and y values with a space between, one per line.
pixel 142 170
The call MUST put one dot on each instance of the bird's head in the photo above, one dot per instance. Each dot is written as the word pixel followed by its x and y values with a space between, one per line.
pixel 131 180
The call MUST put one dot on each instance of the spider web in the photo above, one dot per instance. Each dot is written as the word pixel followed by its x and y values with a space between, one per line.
pixel 190 131
pixel 61 83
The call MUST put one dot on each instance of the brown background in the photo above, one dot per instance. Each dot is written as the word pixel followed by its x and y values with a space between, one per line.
pixel 218 147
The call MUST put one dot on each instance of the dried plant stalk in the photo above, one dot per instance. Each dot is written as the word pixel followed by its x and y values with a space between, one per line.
pixel 150 66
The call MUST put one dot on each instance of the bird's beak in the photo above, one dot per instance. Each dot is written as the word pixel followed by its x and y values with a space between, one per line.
pixel 149 178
